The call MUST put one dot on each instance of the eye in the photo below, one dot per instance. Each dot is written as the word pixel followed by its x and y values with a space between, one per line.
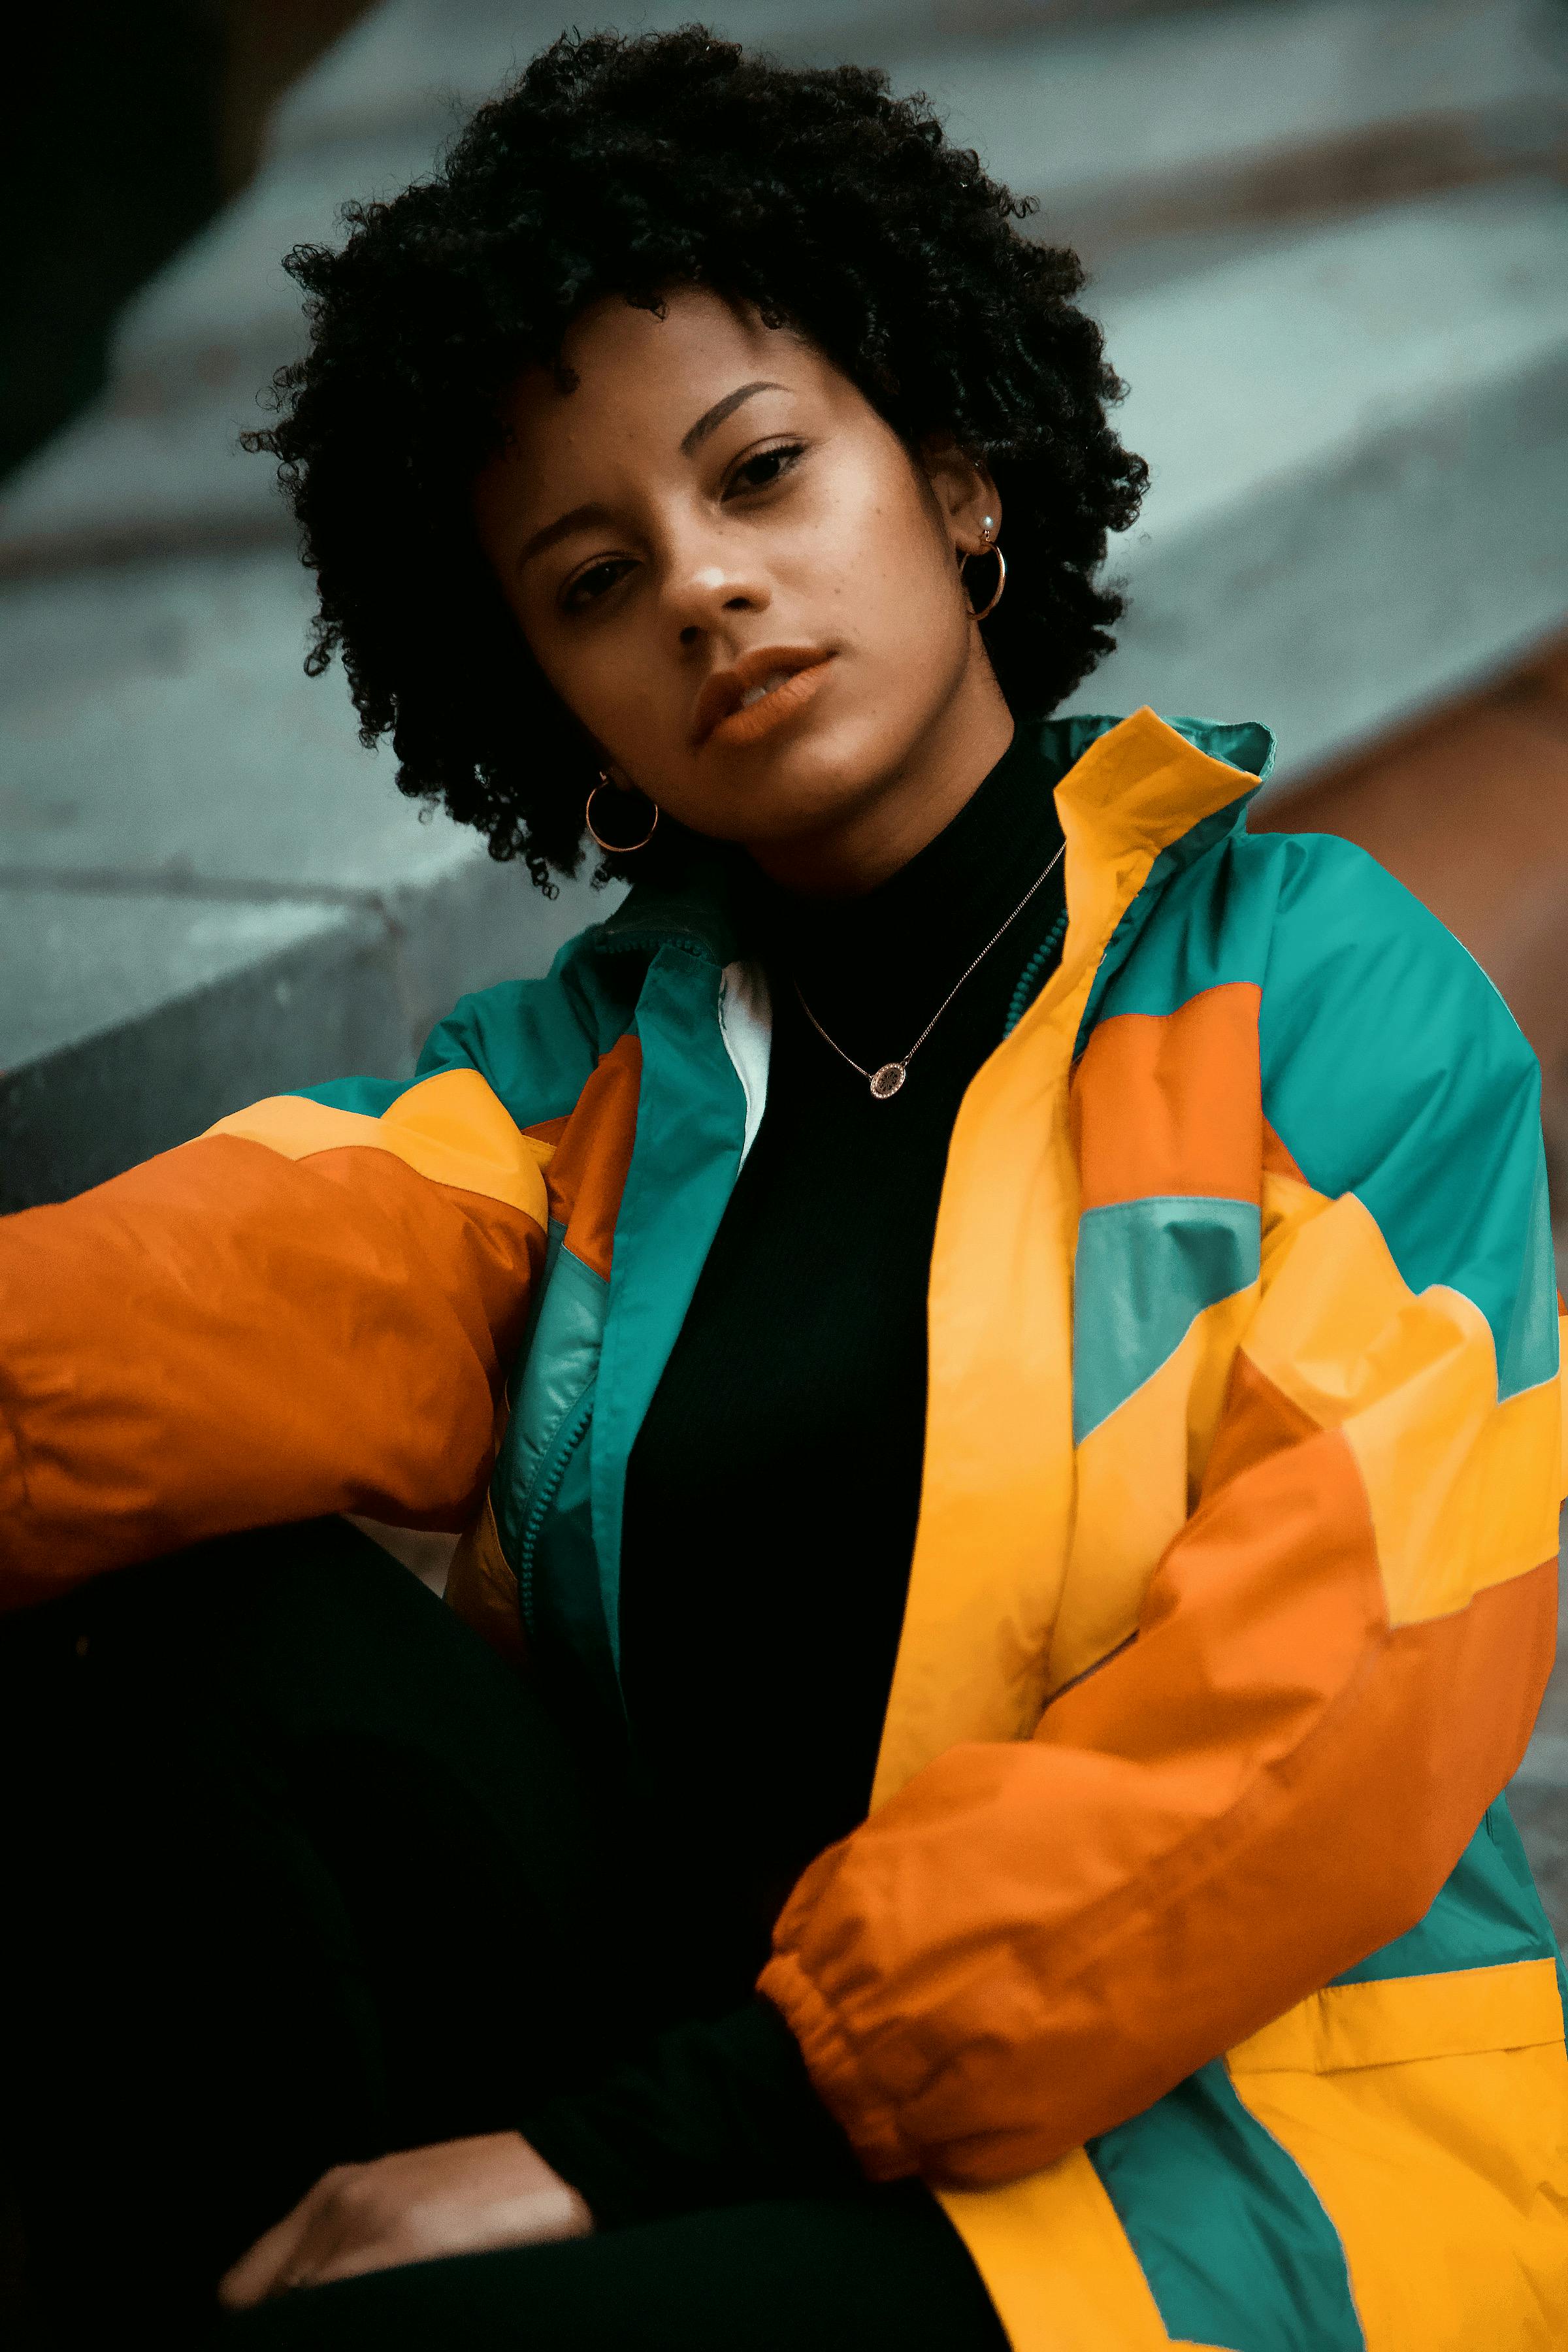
pixel 763 467
pixel 594 581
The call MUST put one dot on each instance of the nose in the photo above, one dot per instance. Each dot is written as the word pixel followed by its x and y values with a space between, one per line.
pixel 709 581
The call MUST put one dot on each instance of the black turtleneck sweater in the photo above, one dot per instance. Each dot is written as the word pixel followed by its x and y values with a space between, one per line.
pixel 773 1493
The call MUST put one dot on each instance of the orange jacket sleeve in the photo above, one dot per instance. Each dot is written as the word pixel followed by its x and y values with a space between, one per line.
pixel 307 1311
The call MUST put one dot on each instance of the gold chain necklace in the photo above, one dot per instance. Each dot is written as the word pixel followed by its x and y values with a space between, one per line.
pixel 885 1082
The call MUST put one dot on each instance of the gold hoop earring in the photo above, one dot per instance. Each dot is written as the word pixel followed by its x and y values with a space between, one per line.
pixel 988 547
pixel 616 848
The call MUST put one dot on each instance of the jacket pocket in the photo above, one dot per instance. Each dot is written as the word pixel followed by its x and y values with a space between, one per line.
pixel 1430 2115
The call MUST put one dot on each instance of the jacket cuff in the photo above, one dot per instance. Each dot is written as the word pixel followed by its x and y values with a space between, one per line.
pixel 838 2073
pixel 715 2112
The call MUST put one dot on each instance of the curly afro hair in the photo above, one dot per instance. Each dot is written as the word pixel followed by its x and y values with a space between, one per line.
pixel 630 166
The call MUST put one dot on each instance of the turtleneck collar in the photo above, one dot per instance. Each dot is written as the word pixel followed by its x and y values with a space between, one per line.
pixel 883 961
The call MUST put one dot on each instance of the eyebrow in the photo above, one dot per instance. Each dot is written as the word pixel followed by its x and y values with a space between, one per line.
pixel 712 418
pixel 582 517
pixel 579 519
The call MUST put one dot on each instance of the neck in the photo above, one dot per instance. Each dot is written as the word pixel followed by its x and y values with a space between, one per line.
pixel 874 967
pixel 853 853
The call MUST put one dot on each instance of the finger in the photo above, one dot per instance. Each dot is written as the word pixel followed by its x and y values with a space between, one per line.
pixel 272 2262
pixel 352 2257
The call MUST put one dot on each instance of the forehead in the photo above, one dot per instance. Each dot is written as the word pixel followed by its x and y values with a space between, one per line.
pixel 635 382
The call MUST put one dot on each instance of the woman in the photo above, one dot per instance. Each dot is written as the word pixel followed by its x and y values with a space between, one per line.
pixel 990 1333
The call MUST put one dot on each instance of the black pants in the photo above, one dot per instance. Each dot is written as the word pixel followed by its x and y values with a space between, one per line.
pixel 298 1873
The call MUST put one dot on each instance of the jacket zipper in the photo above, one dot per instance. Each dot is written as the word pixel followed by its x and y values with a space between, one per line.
pixel 546 1487
pixel 1034 973
pixel 639 943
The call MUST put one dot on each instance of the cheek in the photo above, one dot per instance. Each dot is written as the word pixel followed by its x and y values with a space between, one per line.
pixel 608 674
pixel 621 685
pixel 899 527
pixel 901 591
pixel 583 677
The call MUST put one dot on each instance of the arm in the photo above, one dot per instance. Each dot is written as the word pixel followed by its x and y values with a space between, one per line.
pixel 1338 1659
pixel 309 1310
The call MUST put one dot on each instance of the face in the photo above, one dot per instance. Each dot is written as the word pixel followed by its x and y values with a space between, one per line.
pixel 746 588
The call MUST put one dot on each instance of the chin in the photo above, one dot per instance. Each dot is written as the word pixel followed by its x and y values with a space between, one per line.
pixel 824 775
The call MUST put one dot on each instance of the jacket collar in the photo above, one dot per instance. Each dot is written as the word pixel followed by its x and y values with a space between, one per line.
pixel 1147 784
pixel 1127 787
pixel 1145 798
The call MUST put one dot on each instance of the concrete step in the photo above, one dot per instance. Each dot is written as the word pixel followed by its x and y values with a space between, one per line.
pixel 154 467
pixel 208 889
pixel 1136 132
pixel 1055 98
pixel 131 1018
pixel 1360 451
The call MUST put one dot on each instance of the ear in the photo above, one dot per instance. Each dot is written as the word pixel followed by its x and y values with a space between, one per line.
pixel 963 491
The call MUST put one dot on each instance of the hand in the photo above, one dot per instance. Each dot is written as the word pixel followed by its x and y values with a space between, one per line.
pixel 460 2197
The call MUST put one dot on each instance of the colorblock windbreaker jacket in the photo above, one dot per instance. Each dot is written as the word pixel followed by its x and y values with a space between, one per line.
pixel 1187 1950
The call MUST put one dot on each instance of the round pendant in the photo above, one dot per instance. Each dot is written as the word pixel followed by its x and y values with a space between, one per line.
pixel 887 1080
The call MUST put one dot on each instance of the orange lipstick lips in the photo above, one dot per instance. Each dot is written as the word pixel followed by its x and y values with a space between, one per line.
pixel 755 720
pixel 763 690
